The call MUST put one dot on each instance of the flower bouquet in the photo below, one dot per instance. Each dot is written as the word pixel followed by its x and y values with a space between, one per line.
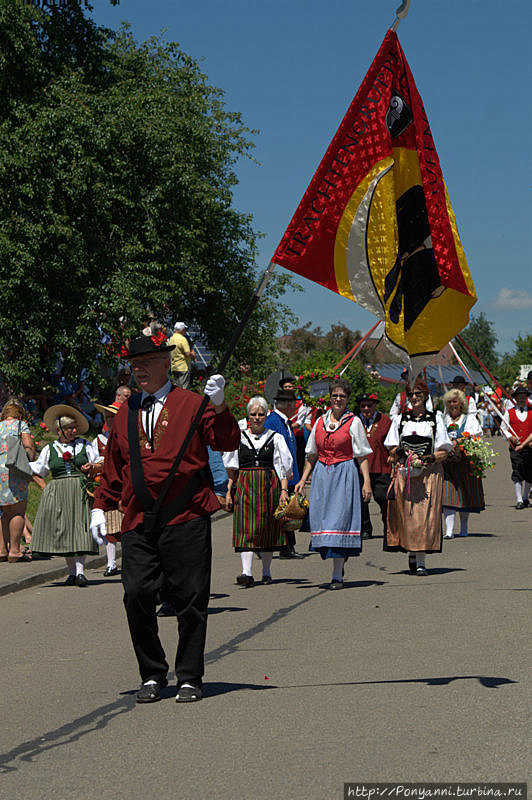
pixel 478 454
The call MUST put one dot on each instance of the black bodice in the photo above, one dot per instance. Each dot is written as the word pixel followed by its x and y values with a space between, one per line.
pixel 251 458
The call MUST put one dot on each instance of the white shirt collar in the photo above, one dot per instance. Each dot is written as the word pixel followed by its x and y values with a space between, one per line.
pixel 283 416
pixel 160 395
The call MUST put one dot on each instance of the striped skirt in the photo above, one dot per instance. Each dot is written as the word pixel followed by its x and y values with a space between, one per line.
pixel 256 498
pixel 61 526
pixel 461 490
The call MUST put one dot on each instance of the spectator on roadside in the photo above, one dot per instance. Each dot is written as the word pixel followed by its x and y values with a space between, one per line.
pixel 13 486
pixel 181 356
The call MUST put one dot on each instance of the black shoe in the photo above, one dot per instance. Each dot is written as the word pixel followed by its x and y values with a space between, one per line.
pixel 188 694
pixel 421 571
pixel 289 553
pixel 81 581
pixel 151 692
pixel 412 565
pixel 334 584
pixel 522 504
pixel 71 580
pixel 367 535
pixel 267 579
pixel 110 571
pixel 167 610
pixel 245 580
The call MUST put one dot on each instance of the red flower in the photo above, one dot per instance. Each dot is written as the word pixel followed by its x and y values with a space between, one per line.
pixel 158 338
pixel 43 426
pixel 67 456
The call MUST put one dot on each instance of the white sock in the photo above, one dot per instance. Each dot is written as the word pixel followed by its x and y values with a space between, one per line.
pixel 71 564
pixel 449 515
pixel 518 492
pixel 247 559
pixel 526 489
pixel 266 564
pixel 110 549
pixel 338 565
pixel 420 559
pixel 464 518
pixel 80 563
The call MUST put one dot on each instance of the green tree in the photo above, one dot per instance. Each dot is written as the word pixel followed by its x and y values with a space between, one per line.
pixel 117 163
pixel 510 363
pixel 482 339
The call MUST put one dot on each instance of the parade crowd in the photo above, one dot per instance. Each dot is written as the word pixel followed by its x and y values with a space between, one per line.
pixel 166 459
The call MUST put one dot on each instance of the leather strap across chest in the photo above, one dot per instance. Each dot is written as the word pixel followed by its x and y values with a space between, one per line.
pixel 154 510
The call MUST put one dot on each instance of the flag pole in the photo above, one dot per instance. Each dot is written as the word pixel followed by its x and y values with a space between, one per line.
pixel 401 13
pixel 356 347
pixel 479 362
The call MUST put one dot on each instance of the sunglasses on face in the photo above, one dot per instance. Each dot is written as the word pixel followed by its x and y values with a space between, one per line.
pixel 339 396
pixel 257 414
pixel 416 394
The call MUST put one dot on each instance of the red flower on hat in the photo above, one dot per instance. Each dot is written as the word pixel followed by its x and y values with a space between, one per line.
pixel 43 426
pixel 158 338
pixel 67 456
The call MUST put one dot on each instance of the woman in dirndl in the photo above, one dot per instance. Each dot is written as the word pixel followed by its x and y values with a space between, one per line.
pixel 260 469
pixel 61 525
pixel 337 450
pixel 418 443
pixel 113 517
pixel 462 490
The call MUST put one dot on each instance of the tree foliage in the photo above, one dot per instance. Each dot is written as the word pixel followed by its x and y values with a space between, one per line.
pixel 117 162
pixel 511 362
pixel 481 337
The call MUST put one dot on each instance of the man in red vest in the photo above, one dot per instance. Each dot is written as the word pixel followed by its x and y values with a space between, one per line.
pixel 172 542
pixel 517 427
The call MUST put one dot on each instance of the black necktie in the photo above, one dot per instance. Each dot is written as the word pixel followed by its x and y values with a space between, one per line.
pixel 148 406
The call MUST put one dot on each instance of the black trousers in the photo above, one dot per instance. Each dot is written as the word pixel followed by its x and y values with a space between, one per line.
pixel 380 482
pixel 521 465
pixel 179 555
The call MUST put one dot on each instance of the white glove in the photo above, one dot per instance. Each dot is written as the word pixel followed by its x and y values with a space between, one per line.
pixel 98 529
pixel 214 389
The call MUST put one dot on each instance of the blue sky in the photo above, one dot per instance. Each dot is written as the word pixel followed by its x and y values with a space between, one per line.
pixel 291 67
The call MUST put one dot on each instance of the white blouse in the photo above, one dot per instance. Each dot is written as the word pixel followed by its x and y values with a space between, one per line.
pixel 359 440
pixel 282 457
pixel 422 428
pixel 42 465
pixel 472 425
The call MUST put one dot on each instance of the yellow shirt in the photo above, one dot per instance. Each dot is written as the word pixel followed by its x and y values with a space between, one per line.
pixel 181 356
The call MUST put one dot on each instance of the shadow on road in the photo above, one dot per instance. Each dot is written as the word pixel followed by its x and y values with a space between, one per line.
pixel 485 680
pixel 67 734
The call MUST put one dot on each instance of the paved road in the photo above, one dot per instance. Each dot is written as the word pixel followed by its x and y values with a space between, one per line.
pixel 396 678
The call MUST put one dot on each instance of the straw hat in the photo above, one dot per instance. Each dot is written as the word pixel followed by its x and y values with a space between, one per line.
pixel 54 412
pixel 106 409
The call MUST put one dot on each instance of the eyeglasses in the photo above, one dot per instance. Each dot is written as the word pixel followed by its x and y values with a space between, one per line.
pixel 339 396
pixel 257 414
pixel 416 394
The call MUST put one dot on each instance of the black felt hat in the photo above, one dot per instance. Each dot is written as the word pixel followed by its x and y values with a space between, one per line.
pixel 285 396
pixel 459 379
pixel 144 345
pixel 285 379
